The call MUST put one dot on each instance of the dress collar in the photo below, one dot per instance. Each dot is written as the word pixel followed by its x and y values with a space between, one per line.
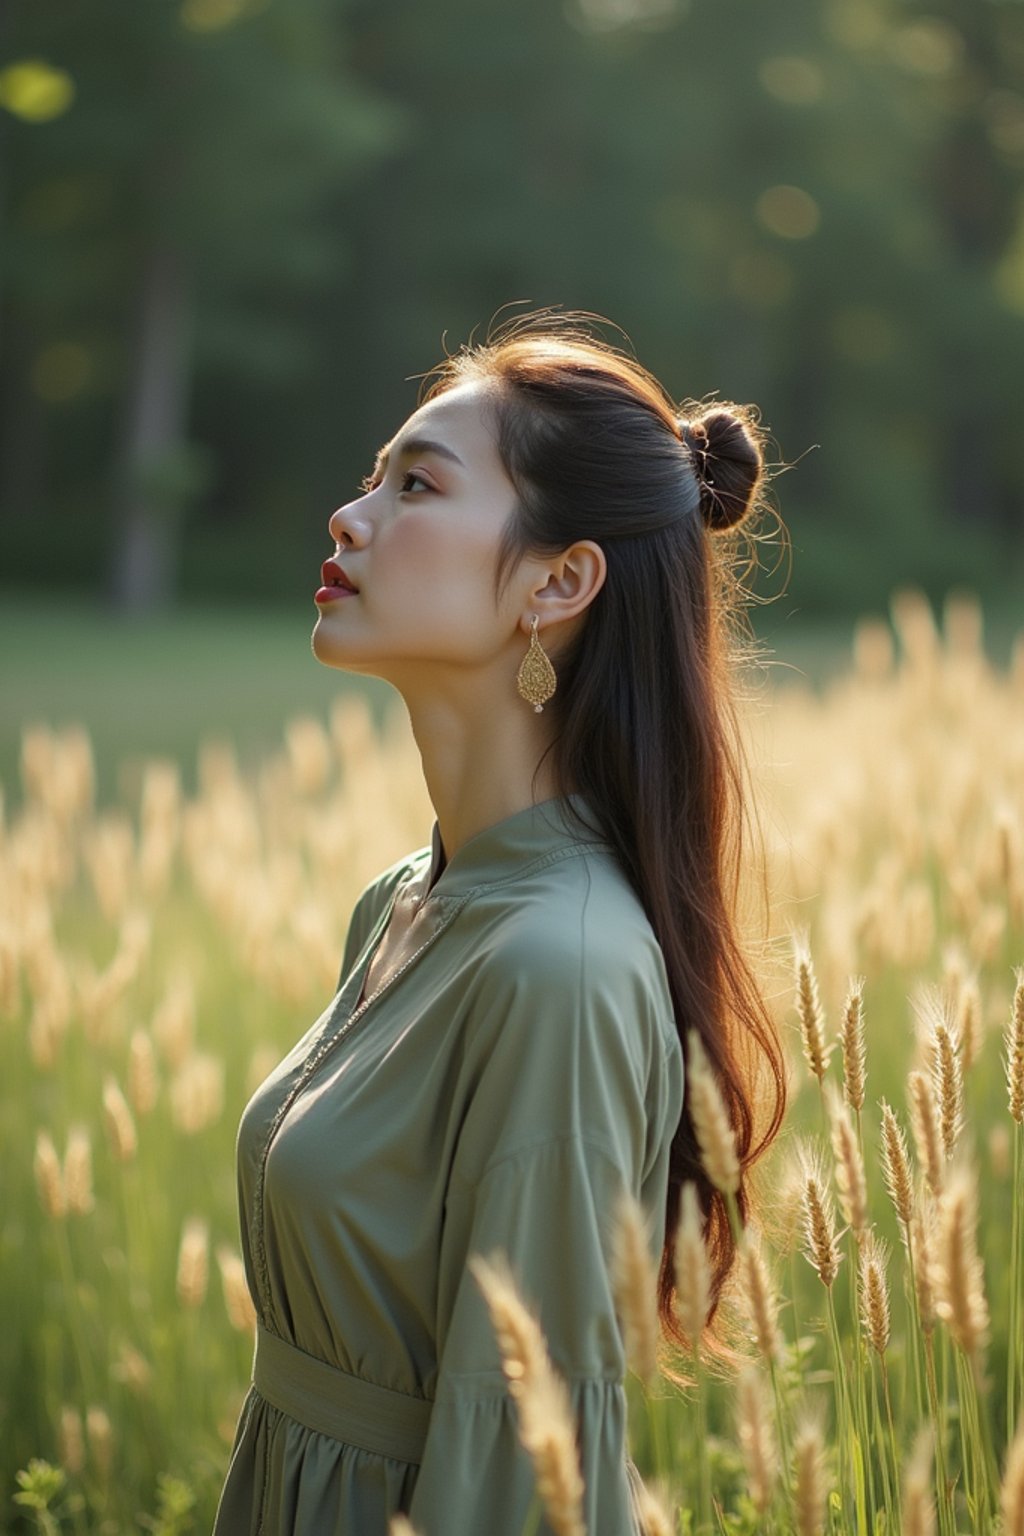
pixel 505 850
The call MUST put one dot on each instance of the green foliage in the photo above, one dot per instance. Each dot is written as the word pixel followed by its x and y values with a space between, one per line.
pixel 812 206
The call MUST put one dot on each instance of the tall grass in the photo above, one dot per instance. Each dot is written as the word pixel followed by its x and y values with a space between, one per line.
pixel 157 955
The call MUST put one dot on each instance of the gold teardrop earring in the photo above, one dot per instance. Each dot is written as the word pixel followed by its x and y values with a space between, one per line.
pixel 536 680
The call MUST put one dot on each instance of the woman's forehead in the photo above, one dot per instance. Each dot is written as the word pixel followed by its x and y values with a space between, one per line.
pixel 460 418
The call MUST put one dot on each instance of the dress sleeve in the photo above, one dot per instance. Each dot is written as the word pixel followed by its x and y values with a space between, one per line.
pixel 574 1097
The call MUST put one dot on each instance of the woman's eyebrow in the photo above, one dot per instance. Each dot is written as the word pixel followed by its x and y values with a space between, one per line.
pixel 415 445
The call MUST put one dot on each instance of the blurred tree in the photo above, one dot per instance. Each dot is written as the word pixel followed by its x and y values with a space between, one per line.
pixel 815 205
pixel 180 193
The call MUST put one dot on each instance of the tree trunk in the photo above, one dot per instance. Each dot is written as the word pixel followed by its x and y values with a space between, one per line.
pixel 145 560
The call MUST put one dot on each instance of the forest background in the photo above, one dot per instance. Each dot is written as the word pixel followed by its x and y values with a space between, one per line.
pixel 235 231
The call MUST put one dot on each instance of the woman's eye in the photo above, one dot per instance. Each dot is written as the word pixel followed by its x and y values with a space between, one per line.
pixel 410 476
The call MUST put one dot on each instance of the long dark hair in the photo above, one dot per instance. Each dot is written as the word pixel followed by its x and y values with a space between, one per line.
pixel 645 726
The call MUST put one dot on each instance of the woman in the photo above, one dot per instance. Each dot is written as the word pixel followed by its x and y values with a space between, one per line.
pixel 533 566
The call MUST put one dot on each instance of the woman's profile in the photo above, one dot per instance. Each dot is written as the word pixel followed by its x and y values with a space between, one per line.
pixel 538 563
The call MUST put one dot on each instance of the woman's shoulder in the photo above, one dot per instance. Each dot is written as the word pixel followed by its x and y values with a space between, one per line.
pixel 573 939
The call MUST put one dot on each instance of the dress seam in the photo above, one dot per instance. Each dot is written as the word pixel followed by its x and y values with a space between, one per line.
pixel 540 1143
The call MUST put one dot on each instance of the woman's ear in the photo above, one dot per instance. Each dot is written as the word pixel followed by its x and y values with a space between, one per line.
pixel 572 581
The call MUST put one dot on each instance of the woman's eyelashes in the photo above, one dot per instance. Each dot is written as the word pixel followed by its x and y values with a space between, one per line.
pixel 371 482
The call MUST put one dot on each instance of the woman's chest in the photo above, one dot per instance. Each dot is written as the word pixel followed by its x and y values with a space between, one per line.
pixel 412 926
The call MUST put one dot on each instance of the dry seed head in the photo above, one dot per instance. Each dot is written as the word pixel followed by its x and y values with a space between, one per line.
pixel 969 1022
pixel 715 1135
pixel 237 1300
pixel 193 1263
pixel 132 1369
pixel 546 1426
pixel 174 1021
pixel 548 1433
pixel 197 1093
pixel 853 1044
pixel 851 1180
pixel 71 1441
pixel 949 1086
pixel 520 1341
pixel 78 1171
pixel 874 1293
pixel 1011 1494
pixel 925 1120
pixel 918 1504
pixel 655 1517
pixel 143 1084
pixel 692 1270
pixel 119 1122
pixel 635 1285
pixel 809 1478
pixel 922 1229
pixel 100 1434
pixel 896 1165
pixel 1015 1050
pixel 753 1423
pixel 961 1293
pixel 820 1244
pixel 760 1297
pixel 808 1007
pixel 48 1177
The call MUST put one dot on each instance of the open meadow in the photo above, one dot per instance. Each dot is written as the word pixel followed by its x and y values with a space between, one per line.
pixel 163 943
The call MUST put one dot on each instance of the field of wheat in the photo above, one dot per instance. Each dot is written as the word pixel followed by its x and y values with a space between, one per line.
pixel 158 955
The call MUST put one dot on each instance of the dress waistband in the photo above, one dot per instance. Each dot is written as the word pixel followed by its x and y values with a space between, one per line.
pixel 335 1403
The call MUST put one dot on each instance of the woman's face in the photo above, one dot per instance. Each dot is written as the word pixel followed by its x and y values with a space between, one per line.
pixel 420 547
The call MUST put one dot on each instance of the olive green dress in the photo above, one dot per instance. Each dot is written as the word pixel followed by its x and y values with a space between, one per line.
pixel 518 1068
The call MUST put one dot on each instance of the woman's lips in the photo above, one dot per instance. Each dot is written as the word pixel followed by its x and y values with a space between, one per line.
pixel 333 594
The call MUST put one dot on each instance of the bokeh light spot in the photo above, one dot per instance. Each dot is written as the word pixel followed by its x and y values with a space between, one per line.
pixel 928 47
pixel 610 15
pixel 211 15
pixel 61 371
pixel 34 90
pixel 796 81
pixel 855 23
pixel 1004 112
pixel 789 212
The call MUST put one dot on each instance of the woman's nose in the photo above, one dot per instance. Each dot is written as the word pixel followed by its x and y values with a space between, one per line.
pixel 349 526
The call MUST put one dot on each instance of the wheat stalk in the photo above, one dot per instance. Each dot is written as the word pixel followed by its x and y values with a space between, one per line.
pixel 851 1180
pixel 853 1044
pixel 49 1181
pixel 760 1457
pixel 78 1171
pixel 918 1504
pixel 874 1293
pixel 692 1270
pixel 809 1010
pixel 193 1263
pixel 761 1300
pixel 1015 1050
pixel 546 1426
pixel 925 1121
pixel 896 1165
pixel 820 1245
pixel 715 1135
pixel 809 1478
pixel 652 1510
pixel 961 1300
pixel 635 1285
pixel 118 1119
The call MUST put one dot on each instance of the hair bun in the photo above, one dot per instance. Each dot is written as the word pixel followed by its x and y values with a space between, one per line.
pixel 727 460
